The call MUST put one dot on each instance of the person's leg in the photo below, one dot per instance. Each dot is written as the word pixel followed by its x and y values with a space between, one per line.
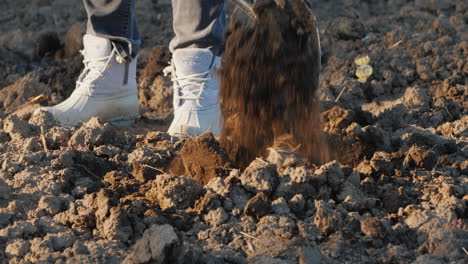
pixel 198 24
pixel 107 86
pixel 114 20
pixel 198 27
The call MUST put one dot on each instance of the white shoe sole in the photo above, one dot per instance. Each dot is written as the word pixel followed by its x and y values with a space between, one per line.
pixel 192 123
pixel 118 110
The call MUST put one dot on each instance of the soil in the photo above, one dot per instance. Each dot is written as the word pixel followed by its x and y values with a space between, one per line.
pixel 94 193
pixel 269 80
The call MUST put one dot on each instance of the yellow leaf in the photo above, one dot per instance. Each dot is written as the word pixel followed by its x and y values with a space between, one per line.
pixel 363 72
pixel 362 60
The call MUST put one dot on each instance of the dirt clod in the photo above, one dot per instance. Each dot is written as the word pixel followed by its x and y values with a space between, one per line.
pixel 258 206
pixel 44 119
pixel 17 128
pixel 94 133
pixel 174 192
pixel 327 219
pixel 95 193
pixel 423 158
pixel 372 227
pixel 260 176
pixel 203 158
pixel 216 217
pixel 17 248
pixel 16 94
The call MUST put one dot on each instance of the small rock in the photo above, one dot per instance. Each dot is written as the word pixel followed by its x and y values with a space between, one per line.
pixel 26 110
pixel 260 176
pixel 334 246
pixel 376 137
pixel 47 225
pixel 156 139
pixel 258 206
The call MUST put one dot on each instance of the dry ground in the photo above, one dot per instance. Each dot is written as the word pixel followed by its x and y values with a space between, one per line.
pixel 100 194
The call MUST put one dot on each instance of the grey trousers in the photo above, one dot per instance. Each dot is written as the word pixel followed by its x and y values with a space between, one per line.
pixel 196 23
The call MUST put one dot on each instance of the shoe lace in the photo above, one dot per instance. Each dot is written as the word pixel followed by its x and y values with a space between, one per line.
pixel 94 69
pixel 188 87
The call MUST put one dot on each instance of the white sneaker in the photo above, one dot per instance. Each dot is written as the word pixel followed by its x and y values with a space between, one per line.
pixel 196 92
pixel 106 88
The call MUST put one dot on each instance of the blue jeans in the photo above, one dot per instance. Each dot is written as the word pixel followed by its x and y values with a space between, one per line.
pixel 196 23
